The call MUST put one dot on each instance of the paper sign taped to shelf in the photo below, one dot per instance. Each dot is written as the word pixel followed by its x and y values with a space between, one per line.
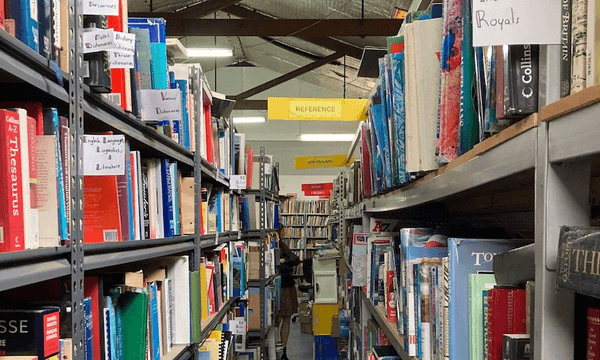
pixel 101 7
pixel 103 154
pixel 319 162
pixel 499 22
pixel 124 42
pixel 237 182
pixel 117 60
pixel 95 40
pixel 161 104
pixel 237 327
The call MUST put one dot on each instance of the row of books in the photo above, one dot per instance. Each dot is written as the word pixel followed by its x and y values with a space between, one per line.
pixel 437 96
pixel 317 232
pixel 289 232
pixel 250 213
pixel 306 206
pixel 316 220
pixel 220 210
pixel 422 280
pixel 294 243
pixel 294 220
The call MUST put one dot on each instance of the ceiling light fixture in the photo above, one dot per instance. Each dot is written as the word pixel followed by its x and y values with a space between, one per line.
pixel 248 119
pixel 326 137
pixel 210 52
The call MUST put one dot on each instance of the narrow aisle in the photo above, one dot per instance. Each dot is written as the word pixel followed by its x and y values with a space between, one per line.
pixel 299 345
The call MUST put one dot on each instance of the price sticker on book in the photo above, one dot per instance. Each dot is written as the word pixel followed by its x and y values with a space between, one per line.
pixel 118 60
pixel 103 154
pixel 237 182
pixel 96 40
pixel 161 104
pixel 516 22
pixel 101 7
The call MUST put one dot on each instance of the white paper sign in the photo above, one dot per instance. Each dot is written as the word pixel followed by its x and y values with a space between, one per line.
pixel 103 154
pixel 161 104
pixel 101 7
pixel 95 40
pixel 124 42
pixel 237 326
pixel 117 60
pixel 499 22
pixel 237 182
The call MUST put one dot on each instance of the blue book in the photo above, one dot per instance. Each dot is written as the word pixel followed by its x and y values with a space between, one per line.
pixel 158 48
pixel 89 329
pixel 143 56
pixel 417 295
pixel 110 330
pixel 399 119
pixel 167 192
pixel 219 212
pixel 245 214
pixel 154 331
pixel 185 116
pixel 238 275
pixel 52 127
pixel 379 110
pixel 119 354
pixel 26 21
pixel 468 256
pixel 376 154
pixel 46 45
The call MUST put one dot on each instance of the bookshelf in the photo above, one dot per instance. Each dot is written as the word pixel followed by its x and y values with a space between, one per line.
pixel 304 221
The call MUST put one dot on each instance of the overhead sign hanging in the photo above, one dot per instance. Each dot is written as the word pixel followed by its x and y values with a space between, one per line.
pixel 321 190
pixel 309 109
pixel 321 161
pixel 512 22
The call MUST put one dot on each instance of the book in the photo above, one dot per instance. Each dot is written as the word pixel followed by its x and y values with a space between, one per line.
pixel 102 220
pixel 477 284
pixel 566 54
pixel 96 63
pixel 506 315
pixel 93 290
pixel 593 330
pixel 12 223
pixel 167 198
pixel 132 307
pixel 516 347
pixel 44 14
pixel 30 332
pixel 468 133
pixel 88 343
pixel 158 48
pixel 399 118
pixel 575 270
pixel 579 35
pixel 521 76
pixel 468 256
pixel 25 14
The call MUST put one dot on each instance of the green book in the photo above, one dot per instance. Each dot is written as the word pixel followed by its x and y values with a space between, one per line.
pixel 477 283
pixel 133 309
pixel 195 290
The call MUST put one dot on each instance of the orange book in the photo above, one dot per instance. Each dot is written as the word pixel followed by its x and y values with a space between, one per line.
pixel 101 216
pixel 249 162
pixel 119 77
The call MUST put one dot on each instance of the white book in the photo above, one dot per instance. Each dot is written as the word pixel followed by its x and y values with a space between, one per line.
pixel 31 227
pixel 593 44
pixel 173 175
pixel 160 221
pixel 47 199
pixel 135 198
pixel 167 298
pixel 152 201
pixel 423 44
pixel 140 194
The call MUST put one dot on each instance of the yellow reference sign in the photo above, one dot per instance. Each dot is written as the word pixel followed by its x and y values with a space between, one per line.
pixel 321 161
pixel 311 109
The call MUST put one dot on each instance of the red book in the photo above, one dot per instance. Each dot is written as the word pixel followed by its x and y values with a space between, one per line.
pixel 34 109
pixel 390 305
pixel 101 215
pixel 92 290
pixel 499 82
pixel 118 76
pixel 209 136
pixel 12 232
pixel 249 162
pixel 33 167
pixel 593 332
pixel 366 161
pixel 506 316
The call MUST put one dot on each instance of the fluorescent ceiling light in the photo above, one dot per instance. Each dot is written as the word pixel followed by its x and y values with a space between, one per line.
pixel 210 52
pixel 326 137
pixel 248 119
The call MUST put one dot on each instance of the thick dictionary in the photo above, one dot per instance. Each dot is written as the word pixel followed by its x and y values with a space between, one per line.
pixel 578 255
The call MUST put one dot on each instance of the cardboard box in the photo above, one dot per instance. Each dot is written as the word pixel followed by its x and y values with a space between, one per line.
pixel 335 326
pixel 303 307
pixel 306 328
pixel 253 311
pixel 304 318
pixel 253 263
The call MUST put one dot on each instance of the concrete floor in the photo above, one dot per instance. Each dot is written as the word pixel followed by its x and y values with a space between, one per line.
pixel 300 346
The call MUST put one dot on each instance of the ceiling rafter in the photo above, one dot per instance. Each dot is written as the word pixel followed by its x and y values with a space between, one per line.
pixel 288 76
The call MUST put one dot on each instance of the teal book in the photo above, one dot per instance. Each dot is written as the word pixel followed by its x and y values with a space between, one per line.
pixel 468 133
pixel 478 283
pixel 158 49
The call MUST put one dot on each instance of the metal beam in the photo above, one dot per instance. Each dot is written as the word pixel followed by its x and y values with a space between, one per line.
pixel 193 11
pixel 250 104
pixel 180 26
pixel 326 42
pixel 285 77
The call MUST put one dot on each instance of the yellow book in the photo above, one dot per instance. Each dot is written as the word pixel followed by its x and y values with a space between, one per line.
pixel 203 291
pixel 210 346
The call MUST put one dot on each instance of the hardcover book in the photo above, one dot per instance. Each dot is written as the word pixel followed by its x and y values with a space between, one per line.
pixel 44 12
pixel 516 347
pixel 25 14
pixel 31 332
pixel 578 249
pixel 477 284
pixel 101 218
pixel 468 256
pixel 565 49
pixel 98 78
pixel 521 76
pixel 506 315
pixel 579 35
pixel 593 331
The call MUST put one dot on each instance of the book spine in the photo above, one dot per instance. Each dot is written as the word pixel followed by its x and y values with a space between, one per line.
pixel 417 302
pixel 578 45
pixel 593 331
pixel 52 127
pixel 592 71
pixel 12 232
pixel 145 202
pixel 486 323
pixel 65 152
pixel 107 334
pixel 25 14
pixel 468 134
pixel 56 30
pixel 33 184
pixel 45 28
pixel 154 325
pixel 565 48
pixel 445 305
pixel 523 80
pixel 124 201
pixel 31 333
pixel 89 329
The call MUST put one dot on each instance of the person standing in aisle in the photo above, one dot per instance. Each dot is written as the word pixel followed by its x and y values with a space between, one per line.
pixel 289 296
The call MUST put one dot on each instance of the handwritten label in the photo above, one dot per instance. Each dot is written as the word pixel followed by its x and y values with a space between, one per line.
pixel 237 182
pixel 161 104
pixel 117 60
pixel 237 327
pixel 101 7
pixel 498 22
pixel 103 154
pixel 95 40
pixel 124 42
